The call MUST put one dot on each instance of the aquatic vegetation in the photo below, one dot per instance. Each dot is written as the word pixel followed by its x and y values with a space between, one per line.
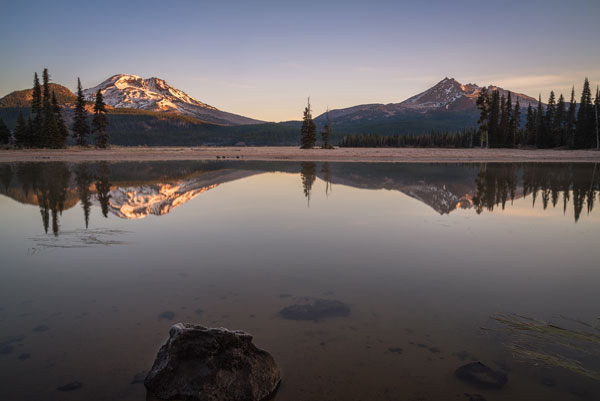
pixel 573 345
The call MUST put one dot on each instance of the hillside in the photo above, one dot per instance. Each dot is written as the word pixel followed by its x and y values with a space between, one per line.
pixel 22 98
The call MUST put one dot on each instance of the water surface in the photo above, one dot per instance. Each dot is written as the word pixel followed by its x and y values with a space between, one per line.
pixel 438 264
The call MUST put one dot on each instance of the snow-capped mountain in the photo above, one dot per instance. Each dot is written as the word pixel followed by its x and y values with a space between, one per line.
pixel 154 94
pixel 446 96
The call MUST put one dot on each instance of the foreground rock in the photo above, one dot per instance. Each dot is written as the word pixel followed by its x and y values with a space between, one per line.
pixel 317 310
pixel 209 364
pixel 479 374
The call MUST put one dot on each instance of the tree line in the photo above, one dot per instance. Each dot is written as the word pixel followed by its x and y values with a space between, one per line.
pixel 436 139
pixel 556 124
pixel 46 126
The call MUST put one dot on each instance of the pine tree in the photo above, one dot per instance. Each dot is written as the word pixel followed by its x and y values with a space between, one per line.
pixel 99 122
pixel 62 133
pixel 309 129
pixel 326 133
pixel 570 128
pixel 516 124
pixel 529 127
pixel 80 125
pixel 584 126
pixel 503 132
pixel 50 128
pixel 36 135
pixel 483 104
pixel 21 133
pixel 494 120
pixel 540 132
pixel 560 121
pixel 509 136
pixel 596 116
pixel 4 133
pixel 550 119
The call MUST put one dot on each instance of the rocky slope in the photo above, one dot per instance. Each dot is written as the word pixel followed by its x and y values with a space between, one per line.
pixel 154 94
pixel 22 98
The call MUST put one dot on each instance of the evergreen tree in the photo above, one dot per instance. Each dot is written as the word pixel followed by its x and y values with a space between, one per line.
pixel 549 123
pixel 326 133
pixel 36 137
pixel 4 133
pixel 560 121
pixel 509 138
pixel 504 121
pixel 99 122
pixel 584 127
pixel 80 125
pixel 62 133
pixel 494 121
pixel 540 132
pixel 309 129
pixel 597 116
pixel 529 127
pixel 483 104
pixel 21 133
pixel 516 124
pixel 50 127
pixel 570 128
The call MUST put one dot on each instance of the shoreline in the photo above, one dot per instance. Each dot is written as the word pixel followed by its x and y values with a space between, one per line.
pixel 290 153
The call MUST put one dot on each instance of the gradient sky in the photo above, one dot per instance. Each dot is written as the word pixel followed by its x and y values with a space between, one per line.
pixel 263 58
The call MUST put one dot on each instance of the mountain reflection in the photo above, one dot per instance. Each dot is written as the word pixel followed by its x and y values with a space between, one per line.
pixel 136 190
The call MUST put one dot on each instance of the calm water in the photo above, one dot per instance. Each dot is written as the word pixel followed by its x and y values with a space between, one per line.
pixel 440 265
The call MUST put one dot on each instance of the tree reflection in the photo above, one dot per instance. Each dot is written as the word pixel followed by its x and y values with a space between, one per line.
pixel 83 179
pixel 495 183
pixel 308 173
pixel 103 187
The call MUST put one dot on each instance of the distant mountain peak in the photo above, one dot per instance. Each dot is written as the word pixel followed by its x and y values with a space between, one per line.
pixel 155 94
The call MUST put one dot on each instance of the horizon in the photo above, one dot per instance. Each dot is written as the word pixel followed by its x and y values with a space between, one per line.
pixel 250 62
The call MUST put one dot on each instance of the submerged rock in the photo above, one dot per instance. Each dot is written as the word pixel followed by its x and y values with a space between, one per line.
pixel 210 364
pixel 76 385
pixel 319 309
pixel 479 374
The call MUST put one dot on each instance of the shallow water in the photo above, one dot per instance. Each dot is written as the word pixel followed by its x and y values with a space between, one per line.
pixel 424 256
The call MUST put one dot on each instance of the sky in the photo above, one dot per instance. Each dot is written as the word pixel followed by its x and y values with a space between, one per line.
pixel 262 59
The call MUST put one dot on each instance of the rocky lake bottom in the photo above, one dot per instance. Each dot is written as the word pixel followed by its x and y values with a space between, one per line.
pixel 364 281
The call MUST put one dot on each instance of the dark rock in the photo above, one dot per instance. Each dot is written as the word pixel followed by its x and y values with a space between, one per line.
pixel 6 345
pixel 462 355
pixel 319 309
pixel 168 315
pixel 206 364
pixel 548 382
pixel 71 386
pixel 479 374
pixel 41 328
pixel 395 350
pixel 435 350
pixel 24 356
pixel 199 312
pixel 139 377
pixel 475 397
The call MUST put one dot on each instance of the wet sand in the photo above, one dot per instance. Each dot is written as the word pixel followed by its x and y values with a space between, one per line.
pixel 295 154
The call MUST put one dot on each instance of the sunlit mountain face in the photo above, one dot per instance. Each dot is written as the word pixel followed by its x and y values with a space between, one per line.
pixel 138 190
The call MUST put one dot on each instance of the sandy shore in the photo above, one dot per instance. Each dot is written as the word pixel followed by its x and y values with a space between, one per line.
pixel 295 154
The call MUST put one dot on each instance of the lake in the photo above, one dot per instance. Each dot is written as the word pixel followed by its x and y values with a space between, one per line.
pixel 439 265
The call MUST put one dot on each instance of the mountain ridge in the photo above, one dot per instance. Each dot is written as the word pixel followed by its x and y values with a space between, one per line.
pixel 155 94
